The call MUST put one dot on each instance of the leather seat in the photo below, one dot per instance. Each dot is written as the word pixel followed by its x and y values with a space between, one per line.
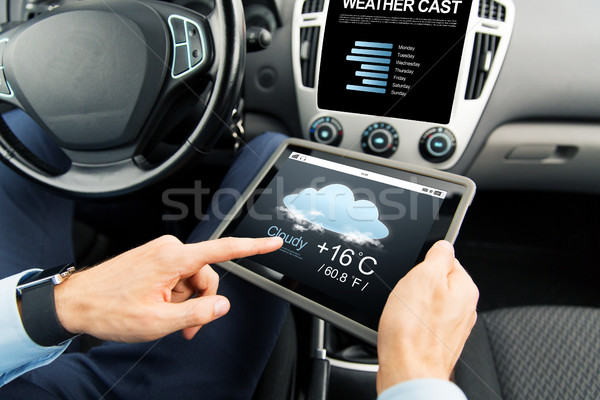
pixel 533 353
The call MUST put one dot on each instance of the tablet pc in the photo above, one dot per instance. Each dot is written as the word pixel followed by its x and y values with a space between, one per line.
pixel 353 225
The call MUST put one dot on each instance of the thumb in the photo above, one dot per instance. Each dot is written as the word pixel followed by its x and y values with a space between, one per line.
pixel 198 311
pixel 441 255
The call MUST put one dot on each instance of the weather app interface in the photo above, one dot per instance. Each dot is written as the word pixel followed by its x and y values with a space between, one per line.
pixel 395 58
pixel 348 233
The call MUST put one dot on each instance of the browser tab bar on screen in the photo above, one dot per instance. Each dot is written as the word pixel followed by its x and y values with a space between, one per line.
pixel 388 180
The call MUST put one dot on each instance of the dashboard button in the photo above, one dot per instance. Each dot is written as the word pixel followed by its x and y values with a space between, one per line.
pixel 437 145
pixel 326 130
pixel 380 139
pixel 325 133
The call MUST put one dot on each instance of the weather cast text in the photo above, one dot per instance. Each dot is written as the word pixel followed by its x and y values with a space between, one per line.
pixel 424 6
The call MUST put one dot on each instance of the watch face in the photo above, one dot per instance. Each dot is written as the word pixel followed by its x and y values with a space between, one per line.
pixel 55 275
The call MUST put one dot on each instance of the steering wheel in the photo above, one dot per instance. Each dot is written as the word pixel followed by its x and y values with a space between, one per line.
pixel 103 78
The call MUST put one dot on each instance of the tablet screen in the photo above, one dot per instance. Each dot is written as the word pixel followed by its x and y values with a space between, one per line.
pixel 393 58
pixel 351 229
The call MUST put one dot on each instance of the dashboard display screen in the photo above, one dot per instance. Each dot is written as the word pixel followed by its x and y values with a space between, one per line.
pixel 393 58
pixel 351 229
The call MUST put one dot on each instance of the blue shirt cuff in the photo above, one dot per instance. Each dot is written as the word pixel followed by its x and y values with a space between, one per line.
pixel 19 353
pixel 423 389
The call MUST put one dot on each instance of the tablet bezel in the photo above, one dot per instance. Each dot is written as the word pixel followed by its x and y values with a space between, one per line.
pixel 342 321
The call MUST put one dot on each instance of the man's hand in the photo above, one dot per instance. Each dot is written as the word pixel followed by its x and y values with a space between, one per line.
pixel 426 320
pixel 147 292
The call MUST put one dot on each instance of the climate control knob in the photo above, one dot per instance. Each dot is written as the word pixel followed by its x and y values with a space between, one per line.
pixel 380 139
pixel 437 145
pixel 326 130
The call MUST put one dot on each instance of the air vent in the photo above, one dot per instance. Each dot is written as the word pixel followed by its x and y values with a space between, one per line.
pixel 491 9
pixel 309 41
pixel 312 6
pixel 484 51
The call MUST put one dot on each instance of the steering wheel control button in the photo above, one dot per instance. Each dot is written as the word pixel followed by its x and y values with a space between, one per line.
pixel 3 43
pixel 180 61
pixel 4 89
pixel 327 130
pixel 437 145
pixel 380 139
pixel 189 45
pixel 196 50
pixel 178 30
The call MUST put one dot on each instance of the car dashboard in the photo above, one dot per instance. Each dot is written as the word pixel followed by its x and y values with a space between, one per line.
pixel 525 108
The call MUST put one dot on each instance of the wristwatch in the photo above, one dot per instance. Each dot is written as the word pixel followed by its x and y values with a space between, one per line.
pixel 38 310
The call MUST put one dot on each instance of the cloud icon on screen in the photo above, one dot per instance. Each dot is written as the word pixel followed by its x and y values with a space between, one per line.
pixel 335 209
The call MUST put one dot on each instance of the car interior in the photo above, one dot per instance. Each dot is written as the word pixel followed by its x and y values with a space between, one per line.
pixel 525 127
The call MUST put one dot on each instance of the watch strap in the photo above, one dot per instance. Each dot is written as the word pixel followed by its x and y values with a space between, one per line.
pixel 38 314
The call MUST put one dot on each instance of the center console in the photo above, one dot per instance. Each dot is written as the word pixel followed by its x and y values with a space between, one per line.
pixel 406 80
pixel 403 79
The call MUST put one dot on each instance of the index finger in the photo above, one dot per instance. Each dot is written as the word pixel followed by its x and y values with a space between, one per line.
pixel 225 249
